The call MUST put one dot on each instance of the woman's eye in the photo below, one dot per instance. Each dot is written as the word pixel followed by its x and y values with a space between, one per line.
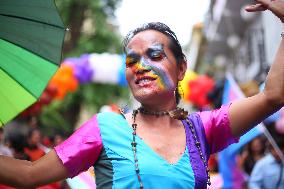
pixel 130 61
pixel 156 56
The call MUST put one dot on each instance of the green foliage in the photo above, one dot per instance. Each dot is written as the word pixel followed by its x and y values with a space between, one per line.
pixel 91 31
pixel 52 121
pixel 97 95
pixel 90 26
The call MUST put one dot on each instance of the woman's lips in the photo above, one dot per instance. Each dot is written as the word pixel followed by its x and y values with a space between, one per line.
pixel 144 80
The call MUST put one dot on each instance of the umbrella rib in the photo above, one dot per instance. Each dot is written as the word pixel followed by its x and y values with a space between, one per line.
pixel 12 16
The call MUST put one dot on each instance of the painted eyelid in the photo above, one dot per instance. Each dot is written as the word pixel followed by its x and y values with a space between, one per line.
pixel 157 57
pixel 131 60
pixel 157 53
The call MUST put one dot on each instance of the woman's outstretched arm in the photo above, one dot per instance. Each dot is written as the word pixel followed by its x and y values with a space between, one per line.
pixel 25 174
pixel 76 154
pixel 246 113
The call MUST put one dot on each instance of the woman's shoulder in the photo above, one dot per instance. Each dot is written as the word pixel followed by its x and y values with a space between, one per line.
pixel 110 119
pixel 215 116
pixel 109 116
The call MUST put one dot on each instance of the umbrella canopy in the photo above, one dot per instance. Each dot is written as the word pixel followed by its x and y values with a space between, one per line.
pixel 31 39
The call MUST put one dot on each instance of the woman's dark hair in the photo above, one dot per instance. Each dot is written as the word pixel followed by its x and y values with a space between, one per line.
pixel 163 28
pixel 174 44
pixel 18 141
pixel 32 131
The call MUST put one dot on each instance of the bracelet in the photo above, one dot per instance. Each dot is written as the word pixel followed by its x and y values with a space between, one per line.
pixel 282 34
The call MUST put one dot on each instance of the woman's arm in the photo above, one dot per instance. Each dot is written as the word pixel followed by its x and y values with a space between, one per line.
pixel 246 113
pixel 21 173
pixel 76 154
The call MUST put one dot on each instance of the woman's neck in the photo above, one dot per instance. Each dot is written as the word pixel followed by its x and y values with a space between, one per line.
pixel 166 106
pixel 155 121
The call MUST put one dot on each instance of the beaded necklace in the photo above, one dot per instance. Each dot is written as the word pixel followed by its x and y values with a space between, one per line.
pixel 177 113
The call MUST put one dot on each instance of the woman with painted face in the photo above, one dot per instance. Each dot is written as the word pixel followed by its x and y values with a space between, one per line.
pixel 157 145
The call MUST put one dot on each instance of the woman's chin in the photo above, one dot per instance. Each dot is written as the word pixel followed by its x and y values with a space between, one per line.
pixel 150 97
pixel 144 97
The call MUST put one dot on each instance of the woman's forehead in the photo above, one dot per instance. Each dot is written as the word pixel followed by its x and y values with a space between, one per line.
pixel 148 38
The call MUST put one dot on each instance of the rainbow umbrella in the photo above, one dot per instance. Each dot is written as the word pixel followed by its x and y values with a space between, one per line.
pixel 31 39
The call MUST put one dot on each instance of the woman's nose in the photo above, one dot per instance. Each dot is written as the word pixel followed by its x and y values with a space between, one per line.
pixel 143 66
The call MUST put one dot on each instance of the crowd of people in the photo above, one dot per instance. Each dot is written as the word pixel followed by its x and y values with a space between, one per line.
pixel 258 162
pixel 30 146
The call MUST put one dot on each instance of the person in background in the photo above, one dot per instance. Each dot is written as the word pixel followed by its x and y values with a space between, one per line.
pixel 4 150
pixel 33 149
pixel 17 142
pixel 268 172
pixel 58 139
pixel 255 151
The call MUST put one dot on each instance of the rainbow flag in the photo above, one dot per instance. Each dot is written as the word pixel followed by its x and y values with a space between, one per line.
pixel 231 174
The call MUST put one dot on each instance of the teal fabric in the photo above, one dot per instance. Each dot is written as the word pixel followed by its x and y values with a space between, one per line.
pixel 155 171
pixel 104 171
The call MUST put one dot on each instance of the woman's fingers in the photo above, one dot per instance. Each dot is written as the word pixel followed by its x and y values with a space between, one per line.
pixel 264 2
pixel 275 6
pixel 256 7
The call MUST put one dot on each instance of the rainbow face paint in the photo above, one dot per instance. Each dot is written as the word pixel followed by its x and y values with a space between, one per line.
pixel 163 79
pixel 152 64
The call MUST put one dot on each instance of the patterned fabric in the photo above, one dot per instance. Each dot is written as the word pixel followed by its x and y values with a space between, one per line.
pixel 105 142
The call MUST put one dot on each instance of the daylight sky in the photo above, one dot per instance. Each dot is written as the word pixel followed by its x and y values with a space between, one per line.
pixel 179 15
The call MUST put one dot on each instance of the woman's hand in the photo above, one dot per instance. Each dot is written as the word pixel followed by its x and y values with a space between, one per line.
pixel 274 85
pixel 275 6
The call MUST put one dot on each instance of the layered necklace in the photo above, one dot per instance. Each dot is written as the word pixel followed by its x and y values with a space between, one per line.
pixel 177 113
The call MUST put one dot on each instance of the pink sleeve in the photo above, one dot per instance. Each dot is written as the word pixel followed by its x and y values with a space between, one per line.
pixel 217 128
pixel 81 150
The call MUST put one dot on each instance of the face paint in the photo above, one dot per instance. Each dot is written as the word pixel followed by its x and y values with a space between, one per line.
pixel 131 58
pixel 153 62
pixel 156 52
pixel 164 81
pixel 136 62
pixel 157 71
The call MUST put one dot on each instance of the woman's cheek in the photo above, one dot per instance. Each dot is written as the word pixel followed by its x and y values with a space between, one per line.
pixel 164 78
pixel 128 74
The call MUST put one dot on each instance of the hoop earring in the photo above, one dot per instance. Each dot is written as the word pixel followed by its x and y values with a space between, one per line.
pixel 180 90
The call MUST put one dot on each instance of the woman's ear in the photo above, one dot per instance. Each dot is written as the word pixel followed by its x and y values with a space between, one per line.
pixel 182 67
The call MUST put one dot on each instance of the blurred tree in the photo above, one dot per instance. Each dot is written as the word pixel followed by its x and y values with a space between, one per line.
pixel 91 30
pixel 90 26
